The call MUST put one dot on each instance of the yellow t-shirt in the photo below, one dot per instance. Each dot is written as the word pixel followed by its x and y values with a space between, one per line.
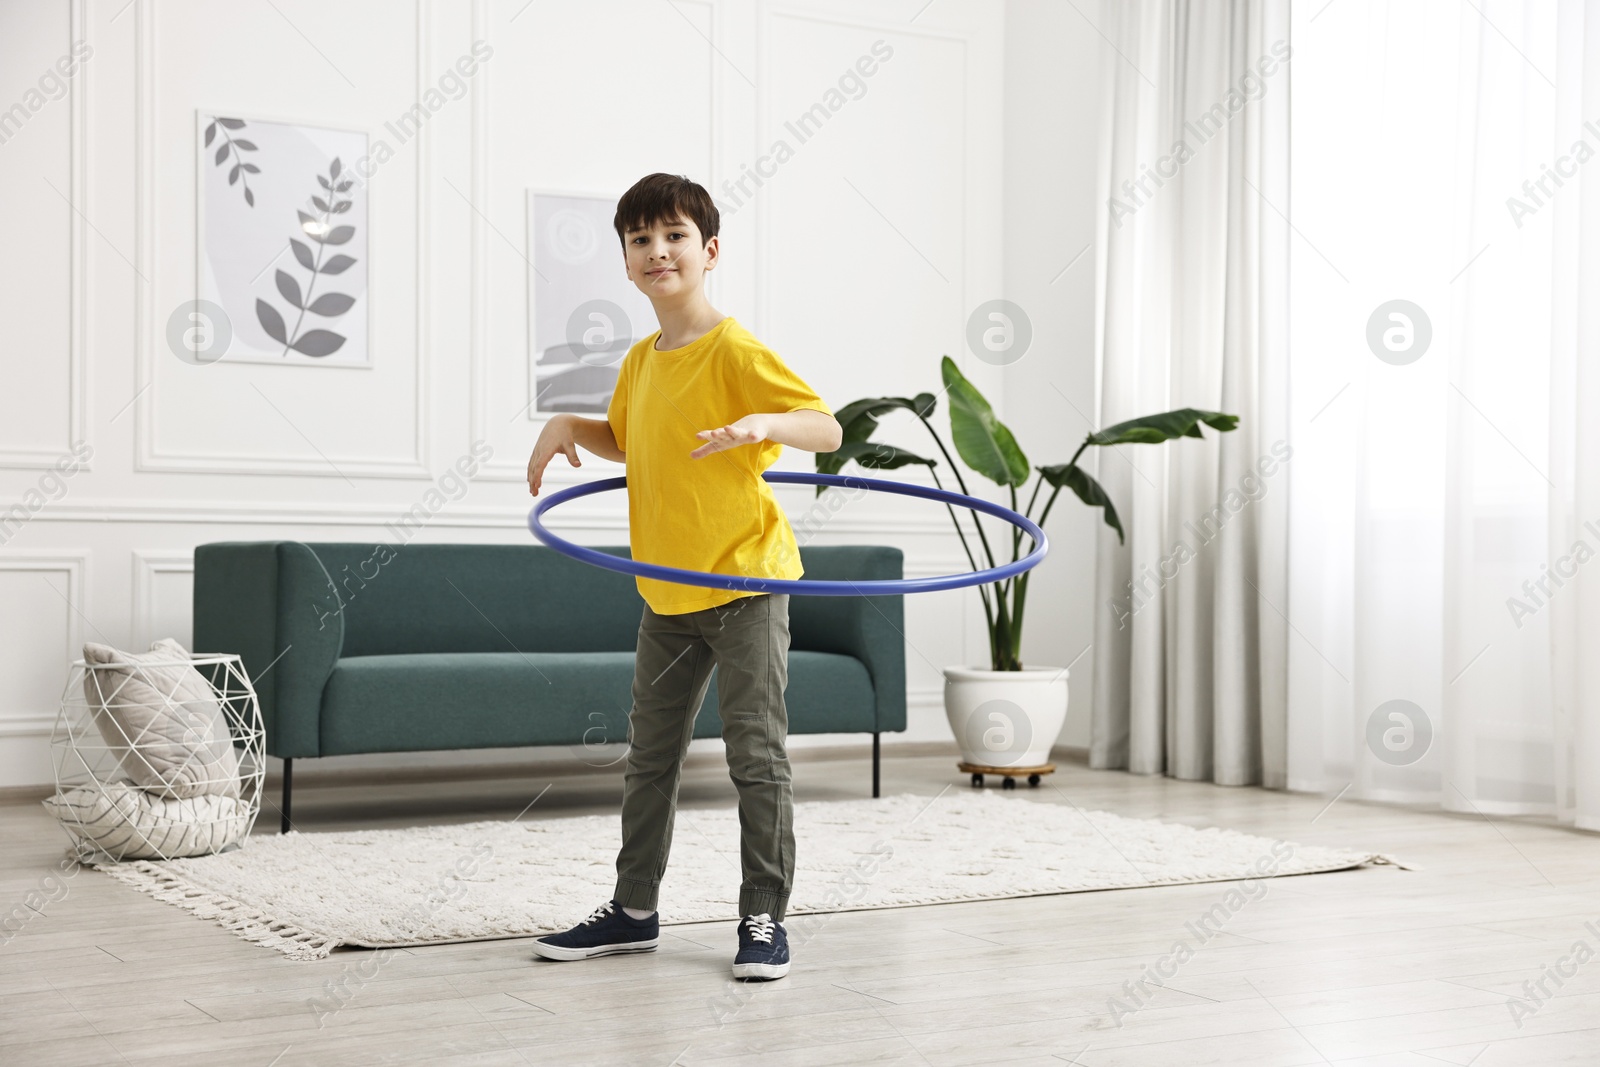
pixel 715 513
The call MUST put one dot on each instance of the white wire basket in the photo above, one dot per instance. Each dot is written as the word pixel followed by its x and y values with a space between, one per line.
pixel 157 757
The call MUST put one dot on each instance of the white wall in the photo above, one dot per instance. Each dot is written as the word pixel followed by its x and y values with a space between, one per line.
pixel 962 173
pixel 1052 130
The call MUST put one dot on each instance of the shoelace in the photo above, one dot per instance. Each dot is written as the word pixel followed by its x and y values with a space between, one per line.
pixel 760 927
pixel 599 913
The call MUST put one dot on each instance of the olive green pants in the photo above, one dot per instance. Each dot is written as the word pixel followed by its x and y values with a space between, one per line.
pixel 747 641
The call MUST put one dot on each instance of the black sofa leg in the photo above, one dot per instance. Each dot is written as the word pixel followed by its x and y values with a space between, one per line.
pixel 288 778
pixel 874 765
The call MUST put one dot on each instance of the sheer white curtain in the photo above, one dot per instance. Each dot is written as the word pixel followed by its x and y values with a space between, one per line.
pixel 1190 634
pixel 1445 453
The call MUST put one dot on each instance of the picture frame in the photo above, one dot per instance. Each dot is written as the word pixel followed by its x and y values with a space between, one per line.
pixel 282 235
pixel 583 312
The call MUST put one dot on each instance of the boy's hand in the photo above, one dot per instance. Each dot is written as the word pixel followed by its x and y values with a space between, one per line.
pixel 555 437
pixel 747 431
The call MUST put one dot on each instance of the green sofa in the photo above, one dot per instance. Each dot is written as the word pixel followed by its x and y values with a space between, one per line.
pixel 379 648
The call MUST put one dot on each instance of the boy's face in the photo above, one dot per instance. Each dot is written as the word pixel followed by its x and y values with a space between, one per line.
pixel 667 260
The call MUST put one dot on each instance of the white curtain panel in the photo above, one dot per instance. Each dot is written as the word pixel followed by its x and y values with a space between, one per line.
pixel 1191 625
pixel 1444 604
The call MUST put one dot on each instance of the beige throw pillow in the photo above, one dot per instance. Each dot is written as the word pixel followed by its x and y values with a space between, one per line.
pixel 161 720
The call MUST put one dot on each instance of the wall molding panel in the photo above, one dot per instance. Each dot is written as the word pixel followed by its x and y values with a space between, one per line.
pixel 479 361
pixel 74 567
pixel 77 326
pixel 30 726
pixel 149 323
pixel 765 33
pixel 148 566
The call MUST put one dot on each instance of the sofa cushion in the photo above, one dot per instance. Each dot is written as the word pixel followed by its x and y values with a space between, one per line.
pixel 440 700
pixel 473 598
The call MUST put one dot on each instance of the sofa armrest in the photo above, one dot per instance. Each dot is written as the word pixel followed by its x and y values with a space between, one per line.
pixel 272 603
pixel 870 628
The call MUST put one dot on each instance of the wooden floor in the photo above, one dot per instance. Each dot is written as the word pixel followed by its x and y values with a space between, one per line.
pixel 1375 967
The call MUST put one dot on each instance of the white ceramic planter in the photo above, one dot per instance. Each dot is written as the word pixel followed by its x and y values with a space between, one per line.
pixel 1006 718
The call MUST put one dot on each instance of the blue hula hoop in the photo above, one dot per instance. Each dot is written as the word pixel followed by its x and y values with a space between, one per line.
pixel 802 586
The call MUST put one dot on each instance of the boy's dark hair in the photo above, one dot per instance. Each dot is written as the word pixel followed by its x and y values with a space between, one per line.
pixel 660 197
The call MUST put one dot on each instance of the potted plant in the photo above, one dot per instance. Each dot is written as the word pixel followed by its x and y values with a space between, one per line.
pixel 1005 717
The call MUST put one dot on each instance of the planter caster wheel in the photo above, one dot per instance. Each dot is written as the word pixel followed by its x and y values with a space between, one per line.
pixel 1008 775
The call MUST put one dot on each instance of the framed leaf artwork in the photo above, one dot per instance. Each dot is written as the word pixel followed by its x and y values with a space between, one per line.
pixel 283 238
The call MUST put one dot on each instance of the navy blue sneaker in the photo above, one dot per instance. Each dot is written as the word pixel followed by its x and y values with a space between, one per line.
pixel 763 948
pixel 608 930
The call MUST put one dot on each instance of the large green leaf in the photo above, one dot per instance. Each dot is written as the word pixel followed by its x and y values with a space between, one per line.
pixel 874 406
pixel 1071 476
pixel 1168 426
pixel 859 419
pixel 879 456
pixel 982 441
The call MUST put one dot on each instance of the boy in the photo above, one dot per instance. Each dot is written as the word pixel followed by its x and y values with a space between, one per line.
pixel 700 376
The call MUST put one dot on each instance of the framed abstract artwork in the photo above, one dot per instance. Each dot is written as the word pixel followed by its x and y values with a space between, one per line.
pixel 584 313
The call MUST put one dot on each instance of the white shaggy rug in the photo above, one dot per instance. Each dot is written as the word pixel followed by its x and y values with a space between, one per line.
pixel 306 894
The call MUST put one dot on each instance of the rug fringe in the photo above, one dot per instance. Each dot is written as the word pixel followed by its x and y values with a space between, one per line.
pixel 243 921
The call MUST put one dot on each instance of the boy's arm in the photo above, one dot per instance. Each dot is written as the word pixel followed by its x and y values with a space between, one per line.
pixel 563 434
pixel 596 435
pixel 805 428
